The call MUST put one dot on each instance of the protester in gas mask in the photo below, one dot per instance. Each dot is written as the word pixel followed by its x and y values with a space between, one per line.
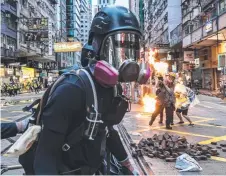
pixel 115 40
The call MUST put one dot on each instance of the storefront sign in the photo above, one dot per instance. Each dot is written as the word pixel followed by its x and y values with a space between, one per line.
pixel 209 26
pixel 221 60
pixel 67 47
pixel 189 56
pixel 28 72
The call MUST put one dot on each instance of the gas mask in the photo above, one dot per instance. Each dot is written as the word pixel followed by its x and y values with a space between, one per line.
pixel 122 50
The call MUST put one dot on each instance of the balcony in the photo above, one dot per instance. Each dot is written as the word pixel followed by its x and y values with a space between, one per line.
pixel 25 12
pixel 9 7
pixel 7 53
pixel 205 3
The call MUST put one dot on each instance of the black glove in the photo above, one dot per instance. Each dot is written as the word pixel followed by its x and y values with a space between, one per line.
pixel 25 108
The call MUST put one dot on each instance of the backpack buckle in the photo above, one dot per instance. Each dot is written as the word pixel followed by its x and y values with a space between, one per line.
pixel 66 147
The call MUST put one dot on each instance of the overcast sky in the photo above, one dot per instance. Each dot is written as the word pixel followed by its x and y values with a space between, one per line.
pixel 118 2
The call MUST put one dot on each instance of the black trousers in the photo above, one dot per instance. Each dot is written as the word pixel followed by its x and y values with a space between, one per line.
pixel 169 114
pixel 158 110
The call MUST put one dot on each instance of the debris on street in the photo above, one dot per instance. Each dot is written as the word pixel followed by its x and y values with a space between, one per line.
pixel 169 147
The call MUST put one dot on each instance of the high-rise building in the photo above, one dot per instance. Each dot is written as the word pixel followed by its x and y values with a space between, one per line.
pixel 28 32
pixel 161 17
pixel 86 17
pixel 203 36
pixel 73 31
pixel 134 7
pixel 8 31
pixel 104 3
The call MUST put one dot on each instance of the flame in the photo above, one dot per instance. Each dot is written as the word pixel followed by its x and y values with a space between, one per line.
pixel 149 103
pixel 161 67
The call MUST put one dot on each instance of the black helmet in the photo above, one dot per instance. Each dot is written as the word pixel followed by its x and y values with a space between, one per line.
pixel 114 18
pixel 115 35
pixel 87 54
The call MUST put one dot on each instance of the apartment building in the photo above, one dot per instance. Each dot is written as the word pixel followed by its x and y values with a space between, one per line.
pixel 160 18
pixel 104 3
pixel 86 17
pixel 204 31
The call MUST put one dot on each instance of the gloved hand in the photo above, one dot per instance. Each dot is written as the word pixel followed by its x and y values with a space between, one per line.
pixel 26 108
pixel 22 125
pixel 127 168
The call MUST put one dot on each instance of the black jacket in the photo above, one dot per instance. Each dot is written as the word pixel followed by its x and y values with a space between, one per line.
pixel 65 111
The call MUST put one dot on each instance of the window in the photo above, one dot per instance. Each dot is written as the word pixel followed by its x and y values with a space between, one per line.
pixel 222 6
pixel 2 17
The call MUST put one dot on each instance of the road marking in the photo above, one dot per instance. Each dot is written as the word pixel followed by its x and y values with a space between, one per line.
pixel 218 158
pixel 215 139
pixel 186 133
pixel 198 117
pixel 202 124
pixel 162 127
pixel 5 120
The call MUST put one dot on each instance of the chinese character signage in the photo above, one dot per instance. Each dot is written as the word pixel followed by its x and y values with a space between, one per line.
pixel 38 23
pixel 36 36
pixel 67 47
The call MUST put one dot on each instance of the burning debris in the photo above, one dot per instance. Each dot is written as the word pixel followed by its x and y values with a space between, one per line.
pixel 149 103
pixel 169 147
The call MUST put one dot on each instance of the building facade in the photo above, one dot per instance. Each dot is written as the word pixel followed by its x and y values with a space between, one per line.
pixel 160 18
pixel 104 3
pixel 204 31
pixel 86 18
pixel 134 6
pixel 20 22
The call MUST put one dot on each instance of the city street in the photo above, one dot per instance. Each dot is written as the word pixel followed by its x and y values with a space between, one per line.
pixel 209 118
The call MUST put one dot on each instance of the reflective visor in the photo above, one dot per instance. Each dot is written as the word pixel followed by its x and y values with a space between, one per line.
pixel 118 47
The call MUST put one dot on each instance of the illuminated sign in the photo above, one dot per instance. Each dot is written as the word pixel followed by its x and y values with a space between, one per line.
pixel 67 47
pixel 28 72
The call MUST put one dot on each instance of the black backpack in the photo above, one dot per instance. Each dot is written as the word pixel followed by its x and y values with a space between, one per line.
pixel 26 160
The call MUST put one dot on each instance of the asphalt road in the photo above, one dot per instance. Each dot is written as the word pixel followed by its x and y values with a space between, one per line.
pixel 210 125
pixel 209 118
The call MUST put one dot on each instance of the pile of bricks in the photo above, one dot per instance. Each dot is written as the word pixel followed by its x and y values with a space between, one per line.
pixel 169 147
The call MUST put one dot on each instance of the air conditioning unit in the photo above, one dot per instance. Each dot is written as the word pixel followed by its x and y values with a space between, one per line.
pixel 7 46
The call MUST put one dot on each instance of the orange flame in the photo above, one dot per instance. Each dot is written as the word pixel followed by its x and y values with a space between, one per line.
pixel 161 67
pixel 149 103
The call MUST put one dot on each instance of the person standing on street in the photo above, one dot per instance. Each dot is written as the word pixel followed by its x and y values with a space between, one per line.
pixel 67 142
pixel 184 100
